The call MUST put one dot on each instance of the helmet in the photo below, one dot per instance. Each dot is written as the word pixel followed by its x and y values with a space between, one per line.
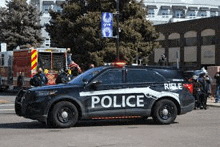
pixel 194 77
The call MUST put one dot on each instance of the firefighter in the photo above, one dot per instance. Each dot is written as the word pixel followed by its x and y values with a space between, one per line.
pixel 197 87
pixel 39 78
pixel 20 81
pixel 75 69
pixel 204 94
pixel 63 77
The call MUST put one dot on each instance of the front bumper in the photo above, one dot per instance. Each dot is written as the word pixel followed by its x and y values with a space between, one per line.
pixel 24 106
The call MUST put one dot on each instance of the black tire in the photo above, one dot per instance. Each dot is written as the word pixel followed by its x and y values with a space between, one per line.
pixel 164 112
pixel 63 115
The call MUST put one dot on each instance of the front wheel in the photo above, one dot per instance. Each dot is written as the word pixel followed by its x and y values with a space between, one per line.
pixel 164 112
pixel 63 115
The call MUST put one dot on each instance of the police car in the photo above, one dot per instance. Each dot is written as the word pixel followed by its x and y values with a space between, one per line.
pixel 110 92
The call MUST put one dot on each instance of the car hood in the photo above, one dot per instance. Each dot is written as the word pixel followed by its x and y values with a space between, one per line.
pixel 58 86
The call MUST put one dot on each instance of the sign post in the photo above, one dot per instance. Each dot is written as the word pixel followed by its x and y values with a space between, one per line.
pixel 177 59
pixel 107 26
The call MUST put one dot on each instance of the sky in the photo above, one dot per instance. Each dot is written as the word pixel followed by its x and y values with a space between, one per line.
pixel 2 3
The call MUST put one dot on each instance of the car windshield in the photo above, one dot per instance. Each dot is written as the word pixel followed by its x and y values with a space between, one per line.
pixel 87 75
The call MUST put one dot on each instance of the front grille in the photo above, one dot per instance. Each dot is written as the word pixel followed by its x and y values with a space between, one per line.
pixel 29 96
pixel 20 94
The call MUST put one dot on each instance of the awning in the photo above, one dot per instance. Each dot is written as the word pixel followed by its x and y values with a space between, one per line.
pixel 192 8
pixel 178 7
pixel 203 8
pixel 151 6
pixel 214 9
pixel 165 7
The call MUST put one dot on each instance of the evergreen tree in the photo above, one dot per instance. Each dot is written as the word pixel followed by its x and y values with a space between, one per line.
pixel 20 25
pixel 83 28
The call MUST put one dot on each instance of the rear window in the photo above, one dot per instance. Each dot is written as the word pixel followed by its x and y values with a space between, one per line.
pixel 142 76
pixel 170 73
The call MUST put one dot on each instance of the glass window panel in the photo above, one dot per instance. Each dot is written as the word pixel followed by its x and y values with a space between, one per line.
pixel 112 76
pixel 143 76
pixel 208 40
pixel 174 43
pixel 190 41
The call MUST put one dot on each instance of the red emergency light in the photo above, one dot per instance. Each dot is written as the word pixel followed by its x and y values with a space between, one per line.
pixel 119 64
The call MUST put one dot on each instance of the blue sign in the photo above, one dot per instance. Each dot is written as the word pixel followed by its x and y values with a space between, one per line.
pixel 107 24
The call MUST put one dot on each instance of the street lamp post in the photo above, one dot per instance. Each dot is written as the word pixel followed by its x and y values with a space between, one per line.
pixel 117 30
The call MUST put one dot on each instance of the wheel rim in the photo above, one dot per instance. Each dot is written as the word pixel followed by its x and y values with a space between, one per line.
pixel 166 112
pixel 65 115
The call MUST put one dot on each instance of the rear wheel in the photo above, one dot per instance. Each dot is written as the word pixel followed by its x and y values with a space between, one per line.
pixel 63 115
pixel 164 112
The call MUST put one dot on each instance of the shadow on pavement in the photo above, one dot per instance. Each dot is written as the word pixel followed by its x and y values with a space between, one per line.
pixel 84 123
pixel 24 125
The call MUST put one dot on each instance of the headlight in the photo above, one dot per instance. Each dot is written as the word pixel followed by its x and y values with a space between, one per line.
pixel 45 93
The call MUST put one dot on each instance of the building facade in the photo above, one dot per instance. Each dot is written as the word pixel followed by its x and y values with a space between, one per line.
pixel 165 11
pixel 190 44
pixel 45 6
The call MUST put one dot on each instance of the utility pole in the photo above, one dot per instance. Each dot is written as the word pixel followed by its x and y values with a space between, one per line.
pixel 117 30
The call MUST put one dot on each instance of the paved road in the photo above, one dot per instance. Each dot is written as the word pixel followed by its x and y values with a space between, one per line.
pixel 200 128
pixel 7 102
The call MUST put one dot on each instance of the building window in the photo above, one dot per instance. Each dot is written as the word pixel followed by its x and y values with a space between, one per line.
pixel 213 14
pixel 192 14
pixel 46 8
pixel 2 60
pixel 151 13
pixel 178 14
pixel 208 40
pixel 190 41
pixel 164 13
pixel 174 43
pixel 162 43
pixel 202 14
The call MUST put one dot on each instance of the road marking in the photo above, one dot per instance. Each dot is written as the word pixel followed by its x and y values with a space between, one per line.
pixel 7 109
pixel 7 105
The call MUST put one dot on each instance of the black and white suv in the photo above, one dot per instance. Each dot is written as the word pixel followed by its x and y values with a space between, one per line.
pixel 110 92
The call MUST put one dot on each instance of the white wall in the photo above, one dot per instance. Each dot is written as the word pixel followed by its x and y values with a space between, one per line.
pixel 198 2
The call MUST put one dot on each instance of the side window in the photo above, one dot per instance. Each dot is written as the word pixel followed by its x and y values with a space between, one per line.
pixel 112 76
pixel 143 75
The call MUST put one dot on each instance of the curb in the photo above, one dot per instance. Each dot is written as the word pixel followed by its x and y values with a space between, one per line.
pixel 213 104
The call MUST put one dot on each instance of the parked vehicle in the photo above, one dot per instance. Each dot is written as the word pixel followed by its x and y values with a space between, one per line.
pixel 26 61
pixel 110 92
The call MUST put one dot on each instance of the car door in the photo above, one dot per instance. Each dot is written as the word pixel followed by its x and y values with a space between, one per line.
pixel 145 86
pixel 105 100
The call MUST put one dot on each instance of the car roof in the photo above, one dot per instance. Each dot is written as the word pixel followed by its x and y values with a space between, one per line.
pixel 143 66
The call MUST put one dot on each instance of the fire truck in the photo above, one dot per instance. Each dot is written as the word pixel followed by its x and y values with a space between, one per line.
pixel 26 61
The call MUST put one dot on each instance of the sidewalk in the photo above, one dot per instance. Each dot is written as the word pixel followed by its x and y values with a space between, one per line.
pixel 211 103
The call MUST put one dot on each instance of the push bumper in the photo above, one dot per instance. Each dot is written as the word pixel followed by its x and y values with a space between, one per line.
pixel 28 109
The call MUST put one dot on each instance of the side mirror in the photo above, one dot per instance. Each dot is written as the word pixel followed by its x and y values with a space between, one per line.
pixel 85 81
pixel 94 85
